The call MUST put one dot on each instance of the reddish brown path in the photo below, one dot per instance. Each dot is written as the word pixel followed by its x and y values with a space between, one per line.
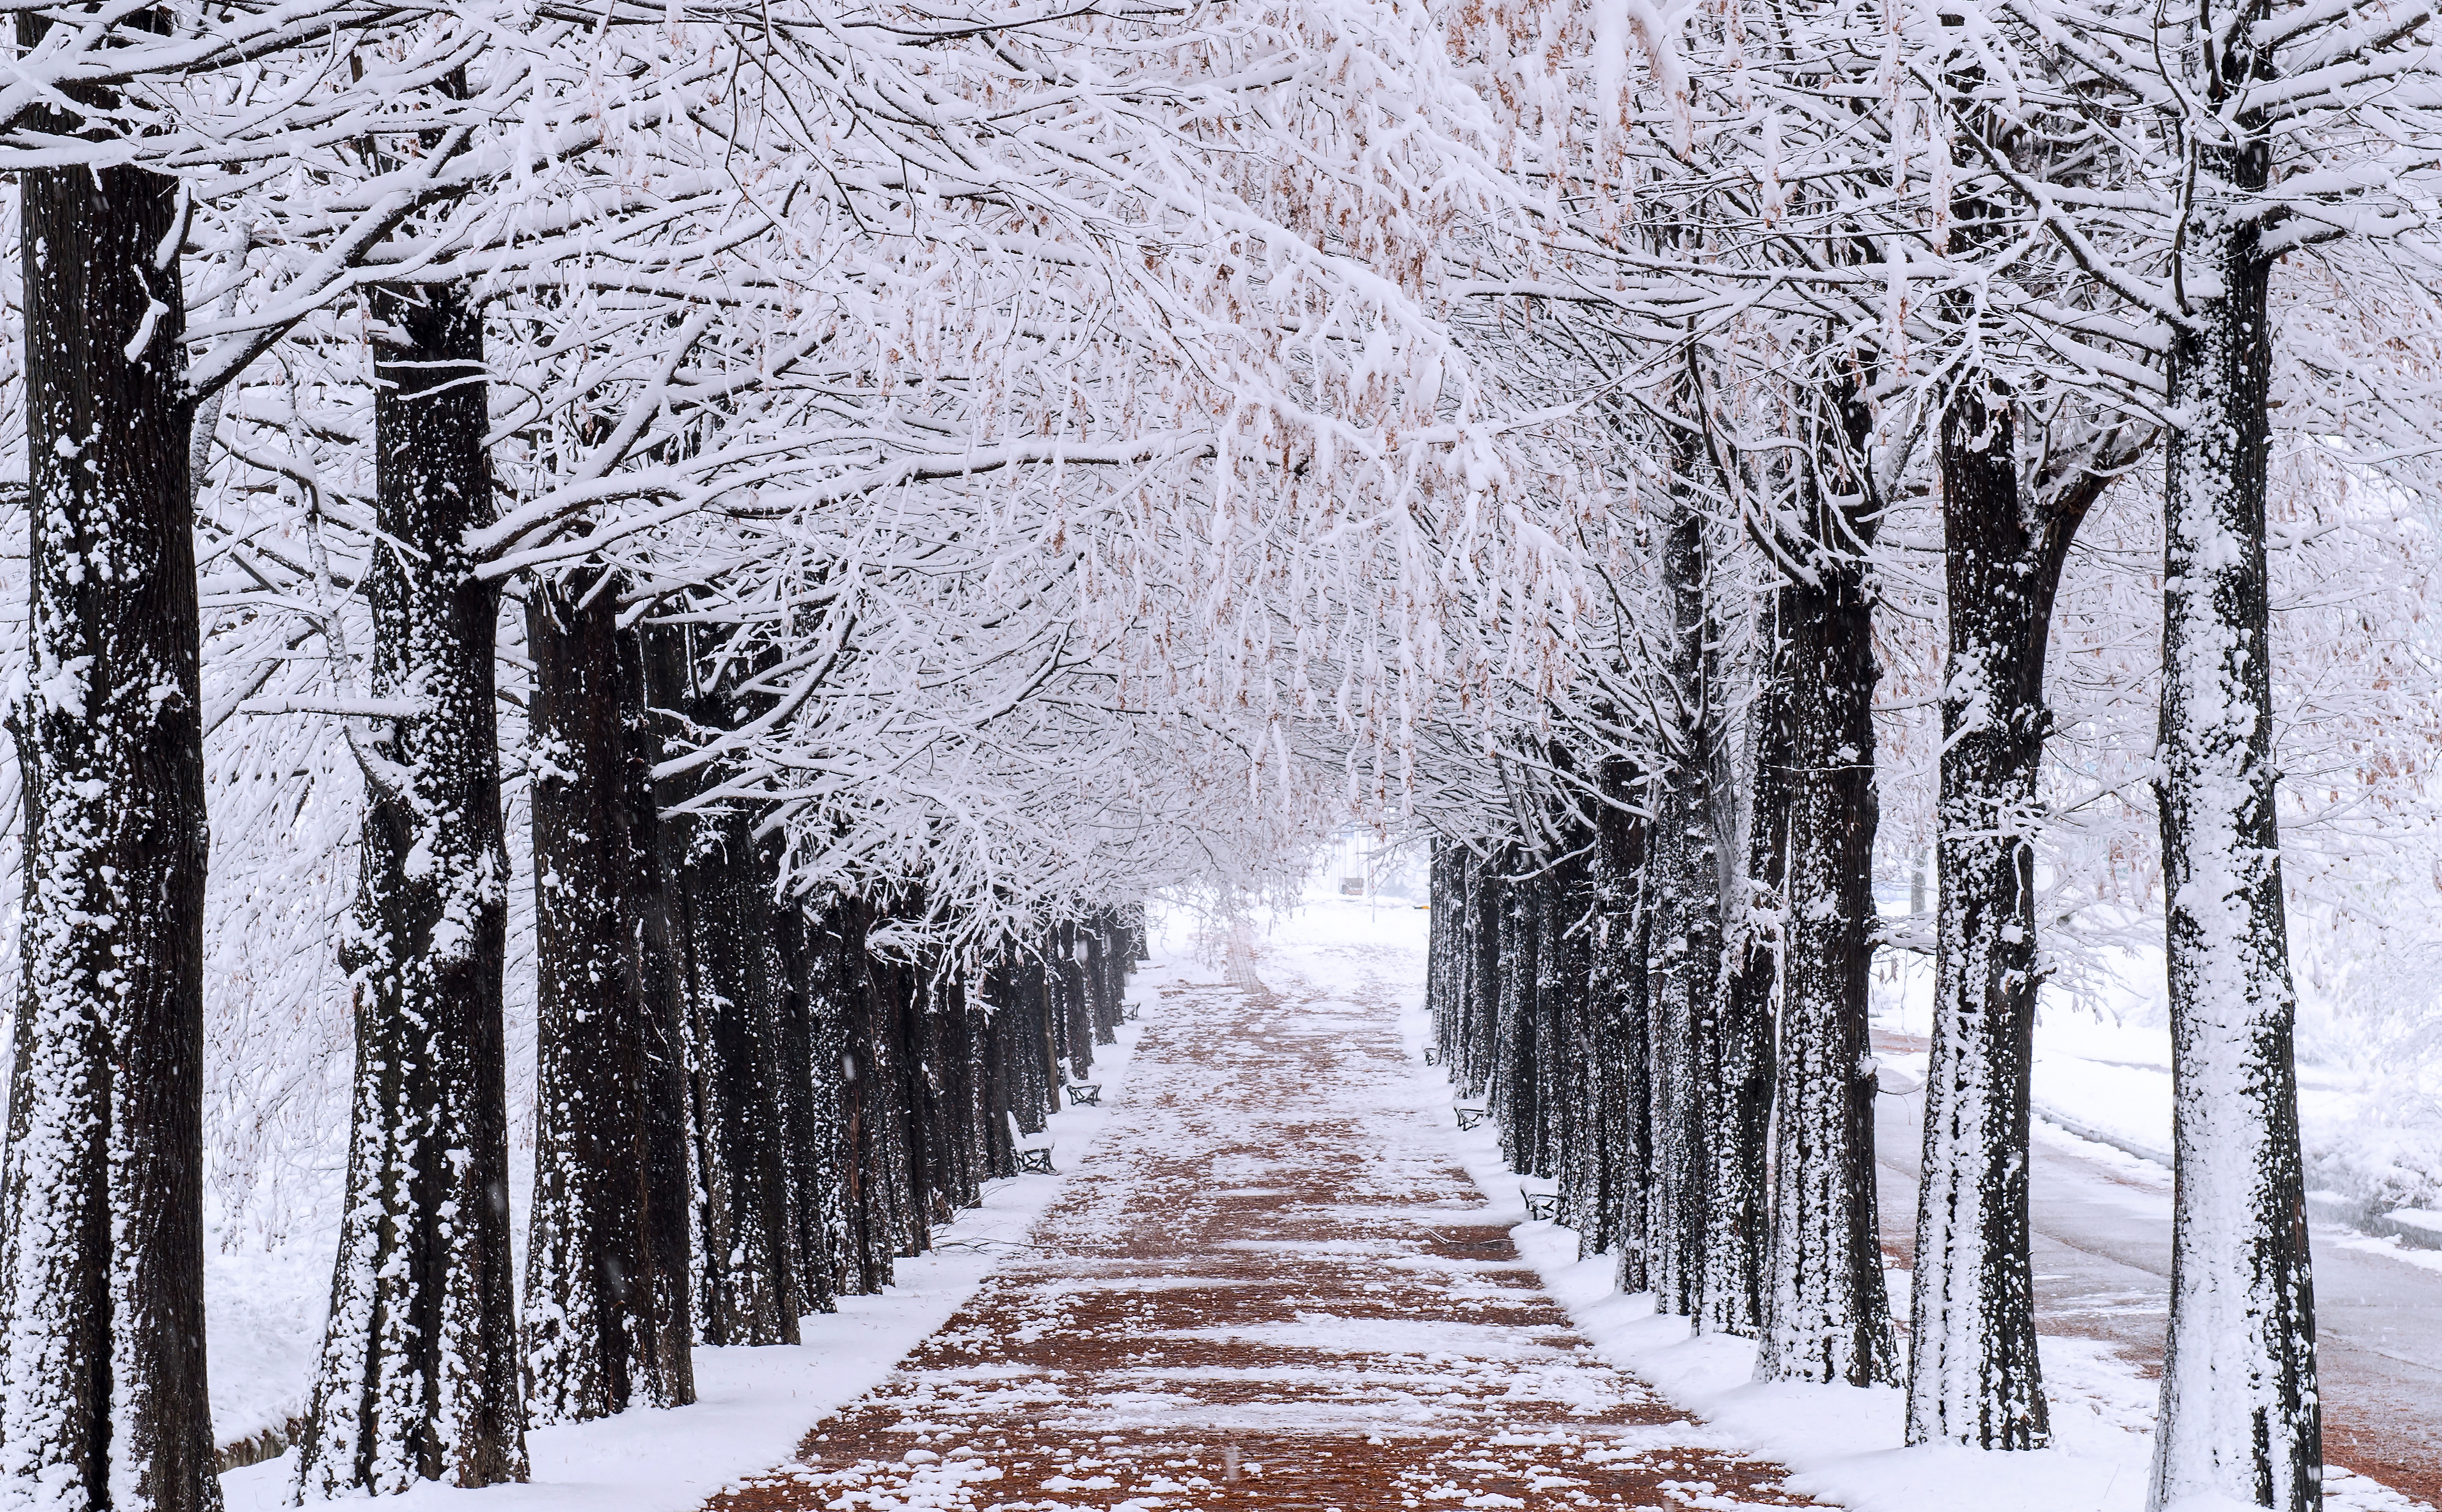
pixel 1266 1285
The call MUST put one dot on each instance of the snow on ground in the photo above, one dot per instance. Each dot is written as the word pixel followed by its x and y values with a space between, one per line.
pixel 754 1406
pixel 1842 1443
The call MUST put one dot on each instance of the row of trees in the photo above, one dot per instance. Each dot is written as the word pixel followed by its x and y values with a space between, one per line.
pixel 1922 430
pixel 870 488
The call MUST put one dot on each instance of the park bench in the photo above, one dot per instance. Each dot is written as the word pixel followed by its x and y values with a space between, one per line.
pixel 1433 1055
pixel 1542 1207
pixel 1084 1094
pixel 1468 1118
pixel 1033 1150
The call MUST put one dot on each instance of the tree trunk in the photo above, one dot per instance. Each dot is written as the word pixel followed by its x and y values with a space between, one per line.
pixel 657 949
pixel 1513 1039
pixel 1742 1064
pixel 1618 1009
pixel 1487 916
pixel 419 1371
pixel 1577 1127
pixel 804 1109
pixel 2241 1415
pixel 102 1394
pixel 848 995
pixel 592 1323
pixel 1973 1374
pixel 1828 1312
pixel 1078 1014
pixel 749 1277
pixel 1687 924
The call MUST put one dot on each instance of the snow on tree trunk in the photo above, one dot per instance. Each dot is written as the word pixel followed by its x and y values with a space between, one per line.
pixel 1513 1074
pixel 1827 1314
pixel 748 1278
pixel 2240 1415
pixel 1739 1071
pixel 1559 986
pixel 660 975
pixel 1617 989
pixel 592 1313
pixel 804 1105
pixel 1487 920
pixel 102 1398
pixel 1973 1374
pixel 1570 1109
pixel 419 1373
pixel 1687 924
pixel 846 1007
pixel 1077 1014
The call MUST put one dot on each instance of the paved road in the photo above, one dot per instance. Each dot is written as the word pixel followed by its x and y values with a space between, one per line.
pixel 1267 1284
pixel 2103 1266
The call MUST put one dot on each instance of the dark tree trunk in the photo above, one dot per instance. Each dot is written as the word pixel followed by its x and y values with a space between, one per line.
pixel 803 1098
pixel 1577 1106
pixel 1440 942
pixel 1513 1032
pixel 1003 1039
pixel 1487 920
pixel 1077 1015
pixel 1742 1063
pixel 1560 993
pixel 2241 1417
pixel 1039 1078
pixel 1828 1312
pixel 419 1375
pixel 912 1077
pixel 1104 996
pixel 1617 990
pixel 1687 924
pixel 848 995
pixel 100 1196
pixel 749 1291
pixel 1973 1374
pixel 593 1312
pixel 657 951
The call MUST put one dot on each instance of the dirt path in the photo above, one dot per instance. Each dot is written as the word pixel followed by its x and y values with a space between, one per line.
pixel 1264 1287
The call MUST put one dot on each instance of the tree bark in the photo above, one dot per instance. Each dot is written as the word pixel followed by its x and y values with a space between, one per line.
pixel 1974 1376
pixel 661 975
pixel 102 1392
pixel 1617 989
pixel 1485 921
pixel 805 1099
pixel 1828 1313
pixel 1687 924
pixel 749 1292
pixel 594 1315
pixel 419 1376
pixel 1514 1046
pixel 2241 1415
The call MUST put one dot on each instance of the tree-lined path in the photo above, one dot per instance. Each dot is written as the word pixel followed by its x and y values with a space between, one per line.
pixel 1269 1283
